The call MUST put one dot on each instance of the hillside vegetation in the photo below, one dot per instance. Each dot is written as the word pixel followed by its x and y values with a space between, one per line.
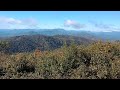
pixel 28 43
pixel 95 61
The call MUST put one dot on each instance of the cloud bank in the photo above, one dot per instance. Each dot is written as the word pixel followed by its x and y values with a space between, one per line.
pixel 13 23
pixel 105 27
pixel 73 24
pixel 101 25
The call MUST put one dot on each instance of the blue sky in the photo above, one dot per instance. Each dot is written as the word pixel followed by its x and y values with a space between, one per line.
pixel 69 20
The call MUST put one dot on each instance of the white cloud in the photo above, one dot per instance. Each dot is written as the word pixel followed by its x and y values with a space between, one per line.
pixel 14 21
pixel 73 24
pixel 9 20
pixel 8 23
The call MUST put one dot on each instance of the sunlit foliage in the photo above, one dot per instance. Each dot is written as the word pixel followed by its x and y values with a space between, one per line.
pixel 100 60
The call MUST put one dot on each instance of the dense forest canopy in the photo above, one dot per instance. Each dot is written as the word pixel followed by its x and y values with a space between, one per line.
pixel 28 43
pixel 98 60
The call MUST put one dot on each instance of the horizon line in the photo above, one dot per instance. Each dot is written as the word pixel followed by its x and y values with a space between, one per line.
pixel 57 28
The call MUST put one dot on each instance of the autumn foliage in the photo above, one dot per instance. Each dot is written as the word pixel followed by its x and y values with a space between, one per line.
pixel 37 53
pixel 100 60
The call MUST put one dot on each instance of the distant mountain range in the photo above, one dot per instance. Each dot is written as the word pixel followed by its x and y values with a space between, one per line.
pixel 48 32
pixel 51 32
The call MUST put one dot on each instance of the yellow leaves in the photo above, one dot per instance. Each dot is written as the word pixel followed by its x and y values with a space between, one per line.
pixel 37 53
pixel 19 56
pixel 59 54
pixel 115 68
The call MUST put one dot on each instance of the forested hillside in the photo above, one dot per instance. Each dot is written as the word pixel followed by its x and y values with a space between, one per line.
pixel 28 43
pixel 99 60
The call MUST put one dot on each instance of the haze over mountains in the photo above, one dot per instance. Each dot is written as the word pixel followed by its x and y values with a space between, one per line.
pixel 27 40
pixel 114 35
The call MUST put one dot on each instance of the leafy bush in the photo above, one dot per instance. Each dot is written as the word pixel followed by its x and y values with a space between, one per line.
pixel 25 66
pixel 2 71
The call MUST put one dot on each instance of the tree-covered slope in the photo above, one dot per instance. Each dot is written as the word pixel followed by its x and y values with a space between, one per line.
pixel 28 43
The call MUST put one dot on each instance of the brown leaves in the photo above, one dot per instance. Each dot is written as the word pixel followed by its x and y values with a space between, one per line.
pixel 37 53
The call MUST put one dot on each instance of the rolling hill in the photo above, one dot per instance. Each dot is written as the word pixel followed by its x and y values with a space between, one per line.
pixel 28 43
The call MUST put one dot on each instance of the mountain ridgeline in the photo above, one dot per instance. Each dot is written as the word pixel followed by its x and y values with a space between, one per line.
pixel 27 40
pixel 114 35
pixel 47 32
pixel 28 43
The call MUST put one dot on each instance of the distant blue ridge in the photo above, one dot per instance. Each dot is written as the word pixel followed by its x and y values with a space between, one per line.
pixel 114 35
